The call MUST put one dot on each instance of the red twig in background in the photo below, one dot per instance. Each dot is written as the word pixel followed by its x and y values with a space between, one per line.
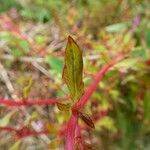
pixel 10 102
pixel 23 132
pixel 7 23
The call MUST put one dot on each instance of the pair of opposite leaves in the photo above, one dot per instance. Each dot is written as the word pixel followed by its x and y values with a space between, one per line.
pixel 73 77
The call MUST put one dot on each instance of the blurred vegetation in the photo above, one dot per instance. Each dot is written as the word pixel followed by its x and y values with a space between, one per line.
pixel 32 41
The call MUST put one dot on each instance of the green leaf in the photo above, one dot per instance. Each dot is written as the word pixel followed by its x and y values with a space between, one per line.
pixel 5 36
pixel 147 36
pixel 117 27
pixel 40 39
pixel 73 69
pixel 24 45
pixel 126 64
pixel 55 63
pixel 43 15
pixel 27 13
pixel 106 122
pixel 5 120
pixel 16 52
pixel 141 53
pixel 16 145
pixel 54 144
pixel 51 128
pixel 27 89
pixel 63 107
pixel 147 105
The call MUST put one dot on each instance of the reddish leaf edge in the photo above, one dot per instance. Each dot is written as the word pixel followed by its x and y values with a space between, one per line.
pixel 23 132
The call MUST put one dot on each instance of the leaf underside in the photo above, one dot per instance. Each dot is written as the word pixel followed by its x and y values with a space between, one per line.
pixel 86 119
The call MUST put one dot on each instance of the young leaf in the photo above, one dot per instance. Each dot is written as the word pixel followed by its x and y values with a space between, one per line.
pixel 117 27
pixel 5 120
pixel 54 144
pixel 72 73
pixel 27 89
pixel 16 145
pixel 86 119
pixel 24 46
pixel 52 128
pixel 63 107
pixel 55 63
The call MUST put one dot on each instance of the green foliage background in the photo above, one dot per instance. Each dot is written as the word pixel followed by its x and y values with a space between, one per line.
pixel 102 28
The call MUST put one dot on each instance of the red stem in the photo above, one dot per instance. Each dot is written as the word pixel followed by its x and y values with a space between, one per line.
pixel 23 132
pixel 70 132
pixel 10 102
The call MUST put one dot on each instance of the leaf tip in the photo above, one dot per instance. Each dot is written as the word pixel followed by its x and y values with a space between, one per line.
pixel 70 39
